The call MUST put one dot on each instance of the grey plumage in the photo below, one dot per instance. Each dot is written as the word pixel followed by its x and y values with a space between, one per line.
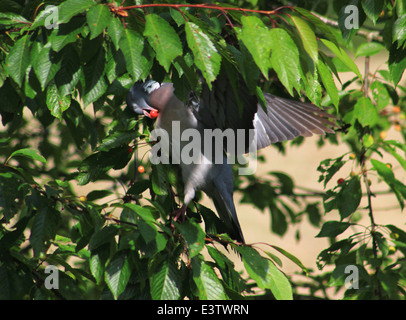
pixel 218 108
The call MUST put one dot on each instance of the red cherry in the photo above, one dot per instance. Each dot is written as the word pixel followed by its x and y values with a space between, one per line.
pixel 340 181
pixel 130 149
pixel 153 114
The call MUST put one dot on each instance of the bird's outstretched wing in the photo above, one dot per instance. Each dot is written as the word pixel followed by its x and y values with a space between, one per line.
pixel 284 119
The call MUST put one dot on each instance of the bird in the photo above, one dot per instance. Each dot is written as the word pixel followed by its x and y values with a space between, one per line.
pixel 220 106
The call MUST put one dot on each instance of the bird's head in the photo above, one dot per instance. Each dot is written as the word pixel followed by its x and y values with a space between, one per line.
pixel 149 98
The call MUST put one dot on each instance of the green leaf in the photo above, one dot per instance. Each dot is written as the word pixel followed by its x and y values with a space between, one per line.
pixel 397 62
pixel 68 9
pixel 67 33
pixel 265 273
pixel 146 213
pixel 349 197
pixel 209 286
pixel 117 139
pixel 389 177
pixel 332 229
pixel 328 82
pixel 343 56
pixel 193 235
pixel 365 112
pixel 165 281
pixel 56 102
pixel 380 94
pixel 329 170
pixel 159 180
pixel 115 31
pixel 98 194
pixel 368 49
pixel 100 162
pixel 308 37
pixel 285 59
pixel 256 39
pixel 291 257
pixel 10 18
pixel 117 274
pixel 399 30
pixel 206 56
pixel 43 228
pixel 96 84
pixel 103 236
pixel 98 18
pixel 28 153
pixel 325 29
pixel 18 59
pixel 132 45
pixel 373 8
pixel 163 39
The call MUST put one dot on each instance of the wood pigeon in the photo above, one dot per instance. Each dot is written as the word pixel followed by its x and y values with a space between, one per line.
pixel 223 107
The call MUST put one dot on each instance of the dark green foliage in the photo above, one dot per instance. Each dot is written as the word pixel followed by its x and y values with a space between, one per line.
pixel 64 124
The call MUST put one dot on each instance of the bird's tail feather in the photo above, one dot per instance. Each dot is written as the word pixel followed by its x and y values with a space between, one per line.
pixel 228 215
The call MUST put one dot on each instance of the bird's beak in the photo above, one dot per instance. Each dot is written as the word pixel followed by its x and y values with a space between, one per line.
pixel 150 112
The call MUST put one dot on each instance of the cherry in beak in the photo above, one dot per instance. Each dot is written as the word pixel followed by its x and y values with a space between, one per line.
pixel 150 113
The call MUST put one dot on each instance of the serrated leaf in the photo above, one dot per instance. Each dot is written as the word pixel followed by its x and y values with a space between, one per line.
pixel 165 282
pixel 45 66
pixel 332 229
pixel 365 112
pixel 291 257
pixel 98 194
pixel 308 37
pixel 117 274
pixel 343 56
pixel 380 94
pixel 159 180
pixel 328 82
pixel 256 39
pixel 397 62
pixel 399 30
pixel 43 228
pixel 389 177
pixel 146 213
pixel 56 102
pixel 103 236
pixel 209 286
pixel 117 139
pixel 98 18
pixel 100 162
pixel 369 49
pixel 115 31
pixel 265 273
pixel 96 85
pixel 349 197
pixel 68 9
pixel 11 18
pixel 132 45
pixel 206 56
pixel 18 59
pixel 163 39
pixel 28 153
pixel 285 59
pixel 193 235
pixel 373 8
pixel 323 27
pixel 66 33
